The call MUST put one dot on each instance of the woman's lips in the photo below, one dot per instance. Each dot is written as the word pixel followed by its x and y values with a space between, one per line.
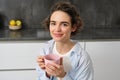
pixel 58 35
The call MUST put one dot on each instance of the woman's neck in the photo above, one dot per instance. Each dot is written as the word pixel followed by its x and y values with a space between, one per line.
pixel 64 47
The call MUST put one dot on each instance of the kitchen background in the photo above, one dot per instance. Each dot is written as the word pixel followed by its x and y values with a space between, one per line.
pixel 19 48
pixel 101 18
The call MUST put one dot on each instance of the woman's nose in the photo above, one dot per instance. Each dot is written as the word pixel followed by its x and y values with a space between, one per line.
pixel 58 28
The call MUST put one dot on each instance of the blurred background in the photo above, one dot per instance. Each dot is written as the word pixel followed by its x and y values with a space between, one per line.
pixel 101 17
pixel 19 48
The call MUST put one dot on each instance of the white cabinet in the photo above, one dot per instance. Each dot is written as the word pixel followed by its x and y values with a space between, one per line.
pixel 106 59
pixel 18 55
pixel 18 60
pixel 18 75
pixel 22 55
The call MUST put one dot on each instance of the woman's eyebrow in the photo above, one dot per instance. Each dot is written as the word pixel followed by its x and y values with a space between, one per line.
pixel 65 22
pixel 52 21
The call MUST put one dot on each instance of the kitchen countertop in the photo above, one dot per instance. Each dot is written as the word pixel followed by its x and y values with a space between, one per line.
pixel 41 34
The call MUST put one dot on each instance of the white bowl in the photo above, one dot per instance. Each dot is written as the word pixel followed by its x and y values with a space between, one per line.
pixel 14 27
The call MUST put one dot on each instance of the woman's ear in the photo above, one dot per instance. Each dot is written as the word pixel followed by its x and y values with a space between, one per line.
pixel 74 28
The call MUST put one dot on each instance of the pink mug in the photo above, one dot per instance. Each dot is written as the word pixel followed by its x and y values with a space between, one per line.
pixel 52 58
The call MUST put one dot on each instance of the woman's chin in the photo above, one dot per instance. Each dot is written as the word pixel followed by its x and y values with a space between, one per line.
pixel 58 39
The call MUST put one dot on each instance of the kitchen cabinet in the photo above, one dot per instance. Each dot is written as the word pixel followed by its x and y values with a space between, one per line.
pixel 18 75
pixel 18 60
pixel 105 56
pixel 18 55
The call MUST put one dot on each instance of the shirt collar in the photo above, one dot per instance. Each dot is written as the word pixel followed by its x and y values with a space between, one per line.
pixel 76 49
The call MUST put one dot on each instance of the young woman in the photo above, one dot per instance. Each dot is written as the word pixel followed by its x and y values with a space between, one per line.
pixel 63 22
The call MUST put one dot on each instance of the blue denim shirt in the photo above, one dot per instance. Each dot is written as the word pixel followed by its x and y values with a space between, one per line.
pixel 82 68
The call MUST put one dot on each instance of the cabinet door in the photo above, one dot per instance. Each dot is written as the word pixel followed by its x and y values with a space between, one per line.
pixel 18 75
pixel 18 60
pixel 19 55
pixel 105 57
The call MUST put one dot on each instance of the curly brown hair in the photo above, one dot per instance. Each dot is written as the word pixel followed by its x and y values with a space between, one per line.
pixel 70 10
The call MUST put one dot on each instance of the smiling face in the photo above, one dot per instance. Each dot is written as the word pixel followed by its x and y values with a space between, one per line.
pixel 60 26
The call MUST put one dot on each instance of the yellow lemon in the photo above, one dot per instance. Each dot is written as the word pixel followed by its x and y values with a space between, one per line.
pixel 18 23
pixel 12 22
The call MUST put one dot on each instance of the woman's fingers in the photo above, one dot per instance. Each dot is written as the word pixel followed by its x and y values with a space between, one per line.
pixel 40 61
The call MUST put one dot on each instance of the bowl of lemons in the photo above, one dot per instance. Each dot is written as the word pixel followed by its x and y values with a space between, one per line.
pixel 15 24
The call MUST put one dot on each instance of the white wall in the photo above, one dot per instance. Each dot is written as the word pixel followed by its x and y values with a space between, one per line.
pixel 19 58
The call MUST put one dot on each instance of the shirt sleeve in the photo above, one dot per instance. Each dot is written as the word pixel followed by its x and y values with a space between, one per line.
pixel 67 77
pixel 83 70
pixel 42 74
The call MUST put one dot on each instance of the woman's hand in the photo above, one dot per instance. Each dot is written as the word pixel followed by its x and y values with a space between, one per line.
pixel 41 63
pixel 51 69
pixel 55 70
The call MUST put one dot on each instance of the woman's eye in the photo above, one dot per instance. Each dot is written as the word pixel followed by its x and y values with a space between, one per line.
pixel 52 24
pixel 64 24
